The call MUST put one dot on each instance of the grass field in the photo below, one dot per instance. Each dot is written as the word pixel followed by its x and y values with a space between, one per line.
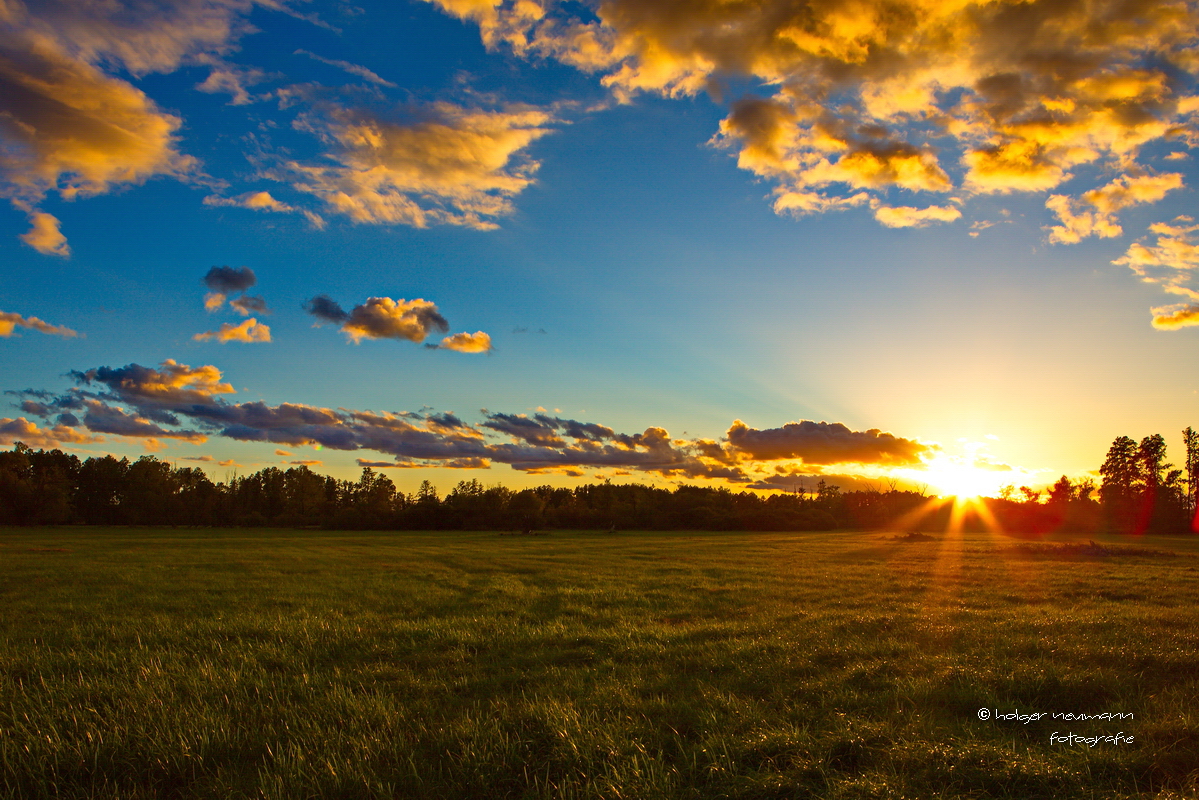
pixel 158 663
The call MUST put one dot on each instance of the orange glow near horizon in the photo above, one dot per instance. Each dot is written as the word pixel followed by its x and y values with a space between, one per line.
pixel 968 477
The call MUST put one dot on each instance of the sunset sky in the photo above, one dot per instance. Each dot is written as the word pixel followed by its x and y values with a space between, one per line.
pixel 741 244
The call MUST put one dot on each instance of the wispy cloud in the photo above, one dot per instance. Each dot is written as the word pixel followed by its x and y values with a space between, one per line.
pixel 1171 262
pixel 346 66
pixel 434 164
pixel 9 322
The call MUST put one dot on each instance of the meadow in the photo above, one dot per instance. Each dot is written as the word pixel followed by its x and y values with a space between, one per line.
pixel 189 663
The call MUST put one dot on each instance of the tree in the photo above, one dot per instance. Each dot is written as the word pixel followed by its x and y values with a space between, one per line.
pixel 1190 440
pixel 1123 481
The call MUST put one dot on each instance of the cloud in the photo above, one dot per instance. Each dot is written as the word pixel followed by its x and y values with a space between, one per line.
pixel 477 342
pixel 170 386
pixel 264 201
pixel 22 430
pixel 1171 262
pixel 230 280
pixel 381 318
pixel 224 281
pixel 10 321
pixel 907 94
pixel 908 217
pixel 248 331
pixel 443 164
pixel 1173 317
pixel 44 236
pixel 1105 203
pixel 326 309
pixel 232 80
pixel 184 402
pixel 104 418
pixel 306 462
pixel 824 443
pixel 249 304
pixel 346 66
pixel 65 125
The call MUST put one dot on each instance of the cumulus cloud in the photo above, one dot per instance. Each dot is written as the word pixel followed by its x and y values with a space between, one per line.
pixel 172 384
pixel 326 309
pixel 45 236
pixel 824 443
pixel 477 342
pixel 908 217
pixel 22 430
pixel 9 322
pixel 1105 202
pixel 230 280
pixel 381 318
pixel 248 331
pixel 441 164
pixel 992 97
pixel 225 281
pixel 1179 316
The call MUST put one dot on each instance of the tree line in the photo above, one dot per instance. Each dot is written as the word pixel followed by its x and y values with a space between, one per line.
pixel 1140 492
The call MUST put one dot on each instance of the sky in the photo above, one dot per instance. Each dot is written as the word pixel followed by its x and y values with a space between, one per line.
pixel 936 244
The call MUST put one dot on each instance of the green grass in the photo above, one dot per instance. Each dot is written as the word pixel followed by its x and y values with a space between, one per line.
pixel 157 663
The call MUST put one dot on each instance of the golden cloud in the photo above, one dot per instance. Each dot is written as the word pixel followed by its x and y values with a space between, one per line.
pixel 866 96
pixel 452 165
pixel 169 385
pixel 10 321
pixel 908 217
pixel 1105 203
pixel 1173 317
pixel 22 430
pixel 1171 262
pixel 477 342
pixel 248 331
pixel 385 318
pixel 45 236
pixel 73 129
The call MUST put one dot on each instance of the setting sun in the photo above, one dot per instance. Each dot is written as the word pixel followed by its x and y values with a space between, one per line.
pixel 963 478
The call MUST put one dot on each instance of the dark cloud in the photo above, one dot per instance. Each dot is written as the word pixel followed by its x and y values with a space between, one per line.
pixel 824 443
pixel 171 395
pixel 102 418
pixel 520 427
pixel 230 280
pixel 36 408
pixel 326 309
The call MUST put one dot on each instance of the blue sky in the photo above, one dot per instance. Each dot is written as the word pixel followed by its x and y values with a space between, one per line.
pixel 889 256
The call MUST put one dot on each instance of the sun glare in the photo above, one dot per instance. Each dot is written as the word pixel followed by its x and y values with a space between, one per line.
pixel 963 479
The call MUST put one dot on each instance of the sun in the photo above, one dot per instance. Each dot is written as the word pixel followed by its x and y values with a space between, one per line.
pixel 962 478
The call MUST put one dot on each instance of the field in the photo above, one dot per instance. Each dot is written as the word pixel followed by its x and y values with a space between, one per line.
pixel 160 663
